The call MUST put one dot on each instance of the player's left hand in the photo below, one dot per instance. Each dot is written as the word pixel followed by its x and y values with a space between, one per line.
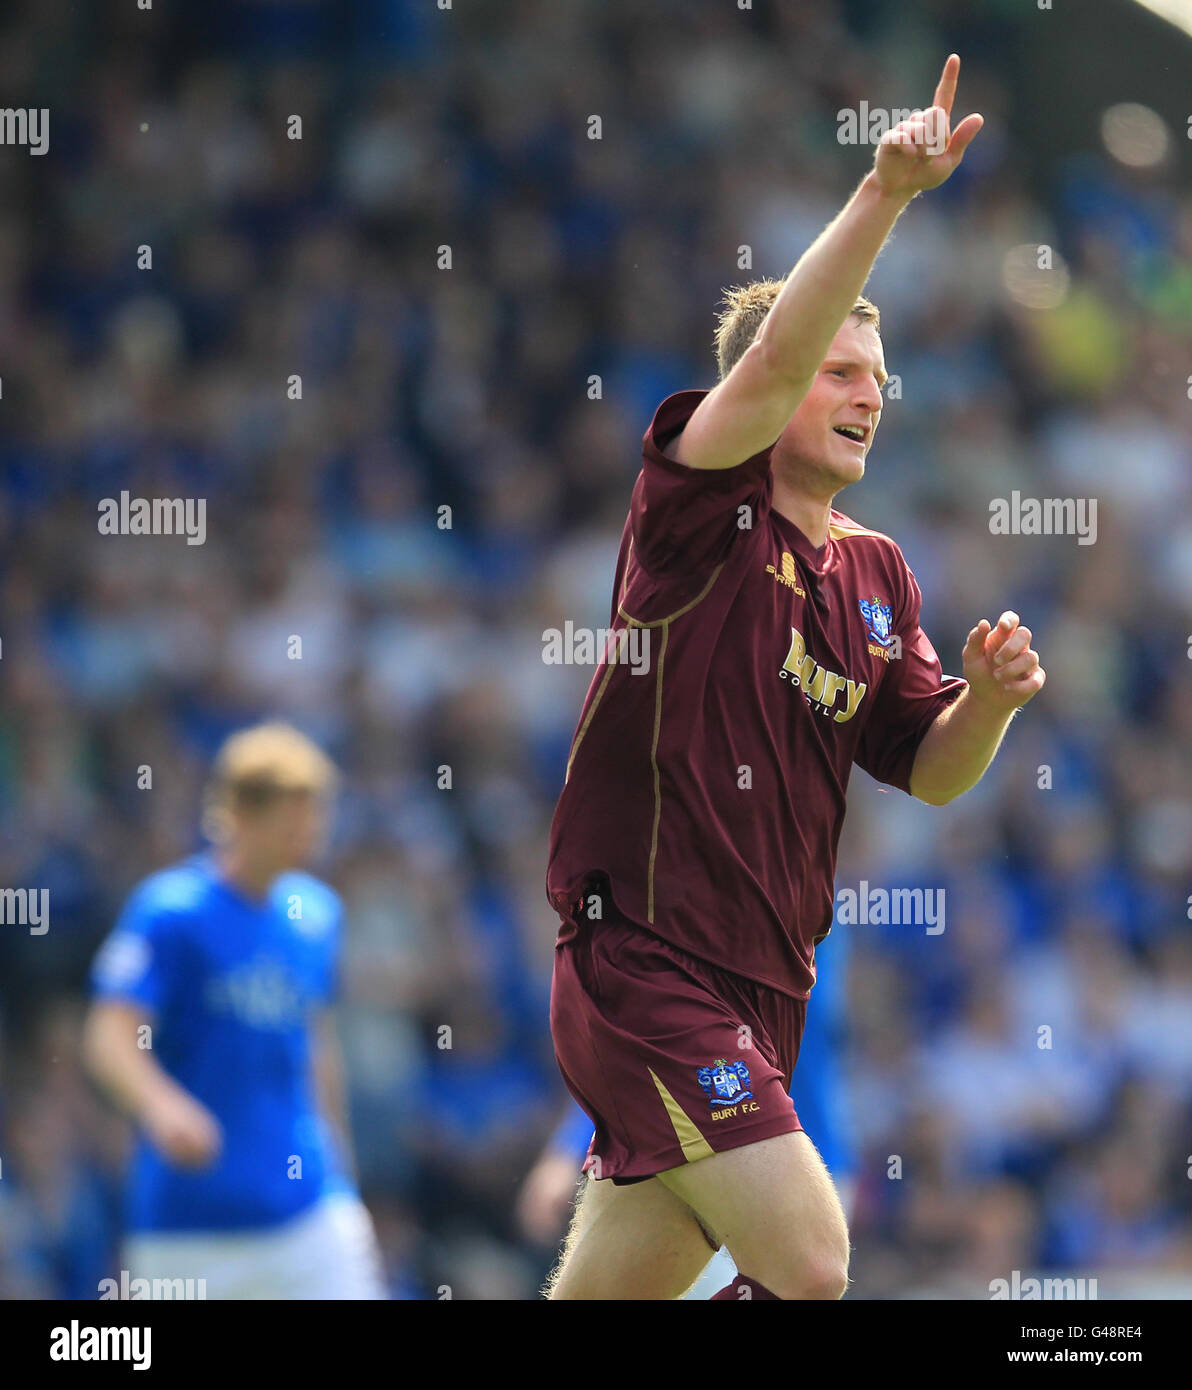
pixel 999 665
pixel 922 151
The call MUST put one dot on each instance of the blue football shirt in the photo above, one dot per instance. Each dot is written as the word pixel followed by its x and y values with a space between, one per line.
pixel 230 985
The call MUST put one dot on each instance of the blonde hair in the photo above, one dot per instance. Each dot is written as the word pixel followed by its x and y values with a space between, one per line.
pixel 744 312
pixel 257 765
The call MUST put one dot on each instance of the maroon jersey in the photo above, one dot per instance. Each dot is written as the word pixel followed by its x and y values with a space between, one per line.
pixel 707 776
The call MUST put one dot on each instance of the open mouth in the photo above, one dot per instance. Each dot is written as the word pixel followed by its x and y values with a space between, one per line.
pixel 858 434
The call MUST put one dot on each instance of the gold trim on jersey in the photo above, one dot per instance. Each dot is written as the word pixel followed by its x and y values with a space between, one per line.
pixel 678 613
pixel 633 622
pixel 664 624
pixel 842 533
pixel 691 1141
pixel 583 728
pixel 657 777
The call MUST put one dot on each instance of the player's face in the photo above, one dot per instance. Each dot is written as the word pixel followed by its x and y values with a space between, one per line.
pixel 830 434
pixel 286 833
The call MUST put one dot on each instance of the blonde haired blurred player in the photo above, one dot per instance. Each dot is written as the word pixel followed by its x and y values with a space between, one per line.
pixel 212 1028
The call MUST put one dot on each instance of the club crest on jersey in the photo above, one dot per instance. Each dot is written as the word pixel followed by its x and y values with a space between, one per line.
pixel 879 619
pixel 724 1081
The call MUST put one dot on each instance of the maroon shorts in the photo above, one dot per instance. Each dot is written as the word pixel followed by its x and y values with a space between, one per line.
pixel 672 1058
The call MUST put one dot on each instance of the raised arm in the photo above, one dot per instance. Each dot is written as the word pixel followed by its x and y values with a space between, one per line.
pixel 750 408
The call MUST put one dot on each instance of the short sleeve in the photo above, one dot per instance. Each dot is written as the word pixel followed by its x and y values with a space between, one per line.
pixel 683 519
pixel 139 959
pixel 910 699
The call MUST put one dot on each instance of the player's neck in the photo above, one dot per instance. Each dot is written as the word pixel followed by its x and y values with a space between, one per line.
pixel 250 878
pixel 810 514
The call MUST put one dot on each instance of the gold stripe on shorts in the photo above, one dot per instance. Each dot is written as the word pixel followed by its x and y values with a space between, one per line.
pixel 691 1141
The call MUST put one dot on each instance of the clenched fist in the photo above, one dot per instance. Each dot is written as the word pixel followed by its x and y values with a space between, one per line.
pixel 1000 666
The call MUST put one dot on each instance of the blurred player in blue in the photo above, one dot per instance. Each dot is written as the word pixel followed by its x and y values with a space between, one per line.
pixel 212 1028
pixel 818 1089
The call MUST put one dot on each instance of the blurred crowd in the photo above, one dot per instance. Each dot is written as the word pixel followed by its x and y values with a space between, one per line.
pixel 446 259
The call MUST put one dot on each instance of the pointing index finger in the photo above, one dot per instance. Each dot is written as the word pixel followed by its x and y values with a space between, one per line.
pixel 946 91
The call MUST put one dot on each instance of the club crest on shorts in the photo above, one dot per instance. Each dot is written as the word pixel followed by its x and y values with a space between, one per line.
pixel 724 1081
pixel 879 618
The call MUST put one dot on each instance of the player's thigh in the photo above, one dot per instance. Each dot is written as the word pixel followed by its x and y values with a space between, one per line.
pixel 637 1241
pixel 774 1206
pixel 721 1270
